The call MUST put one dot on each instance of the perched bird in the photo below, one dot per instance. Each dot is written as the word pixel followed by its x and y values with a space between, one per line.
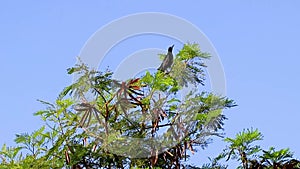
pixel 168 60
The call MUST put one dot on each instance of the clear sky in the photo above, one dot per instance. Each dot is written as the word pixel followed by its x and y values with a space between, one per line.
pixel 257 41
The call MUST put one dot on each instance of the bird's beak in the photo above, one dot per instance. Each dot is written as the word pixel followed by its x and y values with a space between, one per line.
pixel 172 46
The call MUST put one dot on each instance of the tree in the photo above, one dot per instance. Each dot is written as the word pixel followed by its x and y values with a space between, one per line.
pixel 144 122
pixel 98 121
pixel 241 147
pixel 251 156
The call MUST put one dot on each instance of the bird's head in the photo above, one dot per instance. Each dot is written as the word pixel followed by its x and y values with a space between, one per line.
pixel 170 48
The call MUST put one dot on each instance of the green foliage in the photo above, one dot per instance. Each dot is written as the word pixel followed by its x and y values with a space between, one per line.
pixel 190 51
pixel 97 122
pixel 276 158
pixel 34 142
pixel 88 80
pixel 78 132
pixel 188 67
pixel 9 155
pixel 243 143
pixel 241 146
pixel 243 149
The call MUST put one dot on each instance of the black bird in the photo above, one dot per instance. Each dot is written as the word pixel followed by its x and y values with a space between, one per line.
pixel 168 60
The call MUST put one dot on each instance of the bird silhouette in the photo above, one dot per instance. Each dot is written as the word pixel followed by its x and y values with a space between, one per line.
pixel 168 60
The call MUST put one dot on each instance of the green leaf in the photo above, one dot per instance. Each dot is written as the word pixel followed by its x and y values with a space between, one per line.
pixel 190 51
pixel 77 68
pixel 65 91
pixel 148 78
pixel 201 117
pixel 213 114
pixel 38 132
pixel 22 138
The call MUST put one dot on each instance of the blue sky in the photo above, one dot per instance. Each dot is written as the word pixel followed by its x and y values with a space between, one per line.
pixel 257 41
